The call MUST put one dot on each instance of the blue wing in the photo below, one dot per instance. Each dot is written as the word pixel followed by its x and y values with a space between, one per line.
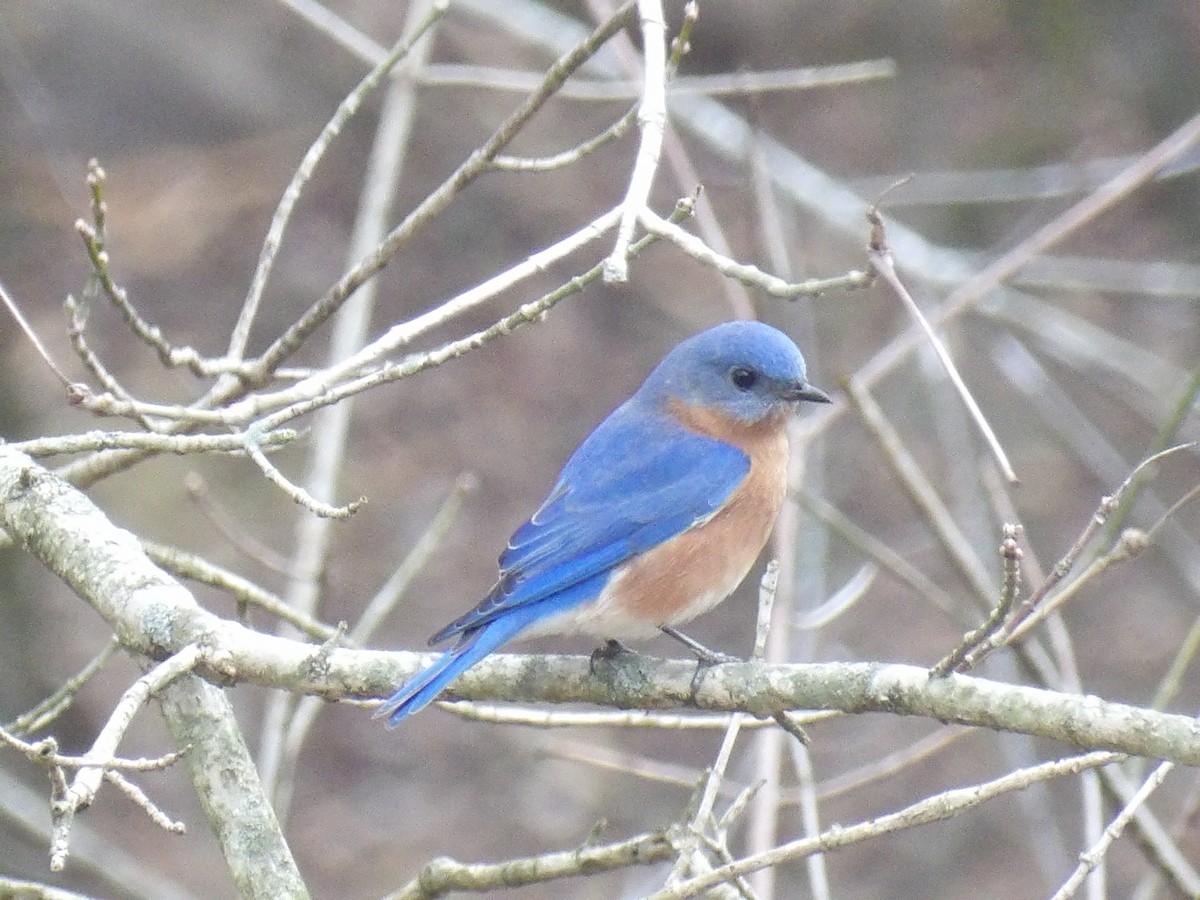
pixel 638 480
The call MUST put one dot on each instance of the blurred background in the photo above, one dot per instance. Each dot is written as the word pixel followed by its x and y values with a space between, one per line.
pixel 1006 112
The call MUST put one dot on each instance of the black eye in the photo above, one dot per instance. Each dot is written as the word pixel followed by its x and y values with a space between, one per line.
pixel 743 379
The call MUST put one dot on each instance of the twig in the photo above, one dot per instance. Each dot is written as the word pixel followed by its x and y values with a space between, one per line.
pixel 1183 501
pixel 880 256
pixel 922 492
pixel 81 394
pixel 53 706
pixel 338 29
pixel 185 416
pixel 1166 434
pixel 151 335
pixel 15 312
pixel 44 752
pixel 749 274
pixel 414 562
pixel 401 335
pixel 795 79
pixel 298 494
pixel 1091 858
pixel 444 875
pixel 1161 846
pixel 244 591
pixel 567 157
pixel 838 603
pixel 94 239
pixel 1172 680
pixel 234 532
pixel 892 763
pixel 82 791
pixel 179 444
pixel 437 201
pixel 143 802
pixel 1063 566
pixel 1130 543
pixel 1141 170
pixel 1011 554
pixel 279 221
pixel 652 117
pixel 643 768
pixel 882 554
pixel 724 84
pixel 529 313
pixel 933 809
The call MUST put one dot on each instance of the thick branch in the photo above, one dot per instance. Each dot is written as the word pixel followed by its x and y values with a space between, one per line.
pixel 154 615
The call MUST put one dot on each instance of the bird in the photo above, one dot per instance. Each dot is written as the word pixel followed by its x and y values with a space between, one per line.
pixel 655 518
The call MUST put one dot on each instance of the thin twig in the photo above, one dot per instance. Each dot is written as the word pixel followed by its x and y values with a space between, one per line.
pixel 245 592
pixel 922 492
pixel 746 273
pixel 80 394
pixel 882 555
pixel 394 589
pixel 932 809
pixel 1030 604
pixel 67 800
pixel 299 495
pixel 235 533
pixel 151 335
pixel 526 314
pixel 1091 858
pixel 567 157
pixel 723 84
pixel 178 444
pixel 338 29
pixel 54 705
pixel 1011 554
pixel 445 875
pixel 287 203
pixel 880 256
pixel 652 117
pixel 24 325
pixel 437 201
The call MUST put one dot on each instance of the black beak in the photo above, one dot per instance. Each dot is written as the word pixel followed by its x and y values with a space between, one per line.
pixel 805 391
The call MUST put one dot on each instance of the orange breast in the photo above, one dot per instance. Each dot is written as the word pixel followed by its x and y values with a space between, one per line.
pixel 694 571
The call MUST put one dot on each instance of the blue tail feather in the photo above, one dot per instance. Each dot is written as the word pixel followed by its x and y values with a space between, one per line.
pixel 424 687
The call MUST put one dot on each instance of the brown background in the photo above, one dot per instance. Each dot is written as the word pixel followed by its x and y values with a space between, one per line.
pixel 200 113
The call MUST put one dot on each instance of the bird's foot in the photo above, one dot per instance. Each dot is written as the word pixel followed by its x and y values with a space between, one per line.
pixel 704 656
pixel 611 649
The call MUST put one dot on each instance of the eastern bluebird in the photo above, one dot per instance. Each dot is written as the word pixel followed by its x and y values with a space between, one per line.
pixel 656 517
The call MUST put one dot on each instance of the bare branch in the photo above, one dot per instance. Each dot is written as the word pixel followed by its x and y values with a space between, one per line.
pixel 62 528
pixel 881 264
pixel 652 117
pixel 933 809
pixel 346 109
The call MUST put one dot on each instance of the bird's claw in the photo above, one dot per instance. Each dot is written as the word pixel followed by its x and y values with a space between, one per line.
pixel 611 649
pixel 705 658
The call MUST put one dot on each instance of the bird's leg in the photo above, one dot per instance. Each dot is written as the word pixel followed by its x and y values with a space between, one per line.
pixel 611 649
pixel 704 656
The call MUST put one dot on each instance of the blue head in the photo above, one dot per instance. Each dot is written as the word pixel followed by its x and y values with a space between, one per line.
pixel 746 370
